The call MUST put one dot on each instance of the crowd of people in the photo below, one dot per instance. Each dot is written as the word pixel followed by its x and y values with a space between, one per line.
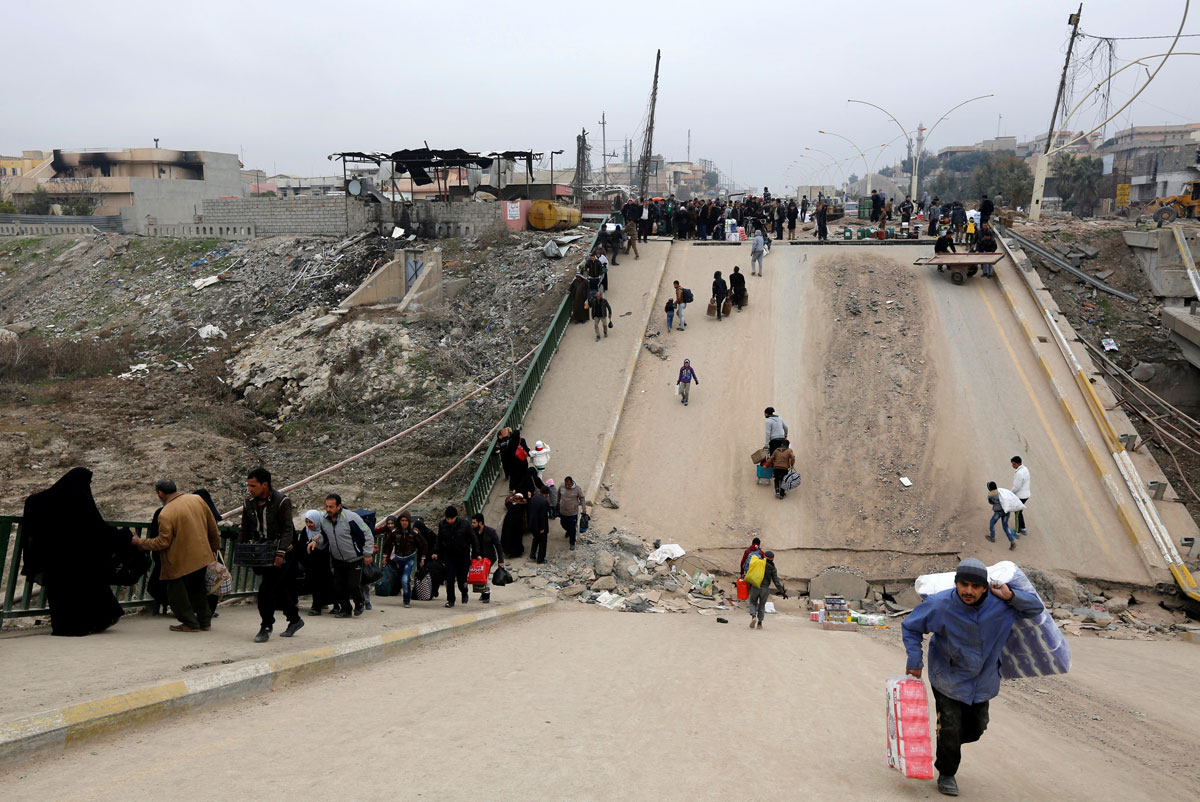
pixel 534 499
pixel 336 555
pixel 716 219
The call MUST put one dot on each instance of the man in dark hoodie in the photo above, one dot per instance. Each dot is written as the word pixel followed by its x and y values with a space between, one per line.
pixel 455 545
pixel 267 515
pixel 404 548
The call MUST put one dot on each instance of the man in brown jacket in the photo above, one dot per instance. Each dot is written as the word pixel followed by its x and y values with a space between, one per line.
pixel 782 461
pixel 188 538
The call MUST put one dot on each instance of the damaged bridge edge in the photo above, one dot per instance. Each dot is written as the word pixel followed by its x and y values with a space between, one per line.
pixel 58 729
pixel 1125 510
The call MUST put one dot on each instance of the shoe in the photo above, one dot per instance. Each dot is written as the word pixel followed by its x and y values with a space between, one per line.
pixel 465 597
pixel 263 635
pixel 947 785
pixel 342 614
pixel 1012 546
pixel 206 629
pixel 292 628
pixel 1023 533
pixel 991 538
pixel 408 604
pixel 183 628
pixel 685 402
pixel 572 548
pixel 316 611
pixel 449 604
pixel 368 606
pixel 486 598
pixel 759 625
pixel 752 623
pixel 359 610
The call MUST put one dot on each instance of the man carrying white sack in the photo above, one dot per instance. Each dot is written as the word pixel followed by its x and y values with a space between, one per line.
pixel 969 624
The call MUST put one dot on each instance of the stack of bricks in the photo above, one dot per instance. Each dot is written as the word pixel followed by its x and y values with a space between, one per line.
pixel 337 216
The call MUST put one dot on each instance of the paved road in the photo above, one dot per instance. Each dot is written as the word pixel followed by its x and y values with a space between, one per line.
pixel 881 369
pixel 585 704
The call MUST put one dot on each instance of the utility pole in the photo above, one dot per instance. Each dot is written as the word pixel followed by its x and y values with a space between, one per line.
pixel 1039 180
pixel 604 148
pixel 689 152
pixel 648 147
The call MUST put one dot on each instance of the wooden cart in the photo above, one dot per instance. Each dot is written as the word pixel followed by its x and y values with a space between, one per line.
pixel 960 265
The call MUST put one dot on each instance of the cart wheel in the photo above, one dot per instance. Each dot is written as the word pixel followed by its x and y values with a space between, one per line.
pixel 972 270
pixel 957 276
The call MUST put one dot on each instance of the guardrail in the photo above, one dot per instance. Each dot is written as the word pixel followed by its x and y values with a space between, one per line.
pixel 32 599
pixel 489 468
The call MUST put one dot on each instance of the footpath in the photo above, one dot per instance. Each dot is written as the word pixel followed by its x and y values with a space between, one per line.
pixel 578 407
pixel 63 690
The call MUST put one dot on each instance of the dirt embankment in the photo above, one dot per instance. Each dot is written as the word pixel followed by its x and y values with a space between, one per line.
pixel 872 418
pixel 90 309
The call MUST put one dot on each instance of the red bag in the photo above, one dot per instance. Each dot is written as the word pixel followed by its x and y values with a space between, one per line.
pixel 522 454
pixel 478 575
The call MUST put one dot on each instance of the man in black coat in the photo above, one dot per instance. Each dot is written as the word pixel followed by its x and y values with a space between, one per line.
pixel 876 205
pixel 986 207
pixel 538 512
pixel 455 545
pixel 737 286
pixel 488 548
pixel 267 515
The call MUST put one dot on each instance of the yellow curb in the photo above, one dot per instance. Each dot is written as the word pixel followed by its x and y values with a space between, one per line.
pixel 57 728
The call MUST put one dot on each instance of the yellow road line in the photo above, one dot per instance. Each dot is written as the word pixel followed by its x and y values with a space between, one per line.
pixel 1046 423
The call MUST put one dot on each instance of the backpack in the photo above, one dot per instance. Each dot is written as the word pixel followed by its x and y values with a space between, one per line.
pixel 757 571
pixel 687 296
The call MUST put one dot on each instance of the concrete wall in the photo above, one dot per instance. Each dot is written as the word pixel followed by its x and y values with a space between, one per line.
pixel 336 216
pixel 456 219
pixel 392 282
pixel 191 230
pixel 1159 257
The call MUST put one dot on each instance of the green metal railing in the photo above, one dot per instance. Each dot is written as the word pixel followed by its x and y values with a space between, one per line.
pixel 489 467
pixel 32 600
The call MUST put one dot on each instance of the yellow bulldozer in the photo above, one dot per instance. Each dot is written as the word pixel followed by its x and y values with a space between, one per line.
pixel 1185 204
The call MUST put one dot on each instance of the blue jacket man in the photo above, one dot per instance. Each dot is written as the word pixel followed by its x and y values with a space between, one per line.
pixel 969 625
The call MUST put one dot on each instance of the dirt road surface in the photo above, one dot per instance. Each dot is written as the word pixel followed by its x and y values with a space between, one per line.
pixel 881 370
pixel 645 707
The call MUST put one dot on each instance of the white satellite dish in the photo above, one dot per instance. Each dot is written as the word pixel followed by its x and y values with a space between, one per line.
pixel 354 187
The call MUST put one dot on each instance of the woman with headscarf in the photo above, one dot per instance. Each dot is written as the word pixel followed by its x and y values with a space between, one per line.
pixel 317 567
pixel 514 455
pixel 403 548
pixel 512 531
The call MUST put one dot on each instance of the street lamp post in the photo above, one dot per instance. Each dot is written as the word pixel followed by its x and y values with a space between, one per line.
pixel 917 150
pixel 827 176
pixel 833 159
pixel 866 166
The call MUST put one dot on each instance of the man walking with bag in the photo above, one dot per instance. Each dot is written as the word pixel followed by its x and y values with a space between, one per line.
pixel 760 575
pixel 969 625
pixel 351 543
pixel 488 548
pixel 571 502
pixel 267 516
pixel 455 545
pixel 188 538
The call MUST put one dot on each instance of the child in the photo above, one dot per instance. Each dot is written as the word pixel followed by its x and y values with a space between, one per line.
pixel 670 310
pixel 998 514
pixel 970 230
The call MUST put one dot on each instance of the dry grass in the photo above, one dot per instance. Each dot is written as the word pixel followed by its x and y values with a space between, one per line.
pixel 33 358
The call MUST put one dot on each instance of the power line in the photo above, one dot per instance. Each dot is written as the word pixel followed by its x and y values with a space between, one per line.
pixel 1133 38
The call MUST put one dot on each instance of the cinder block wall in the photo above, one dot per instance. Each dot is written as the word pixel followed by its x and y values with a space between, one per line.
pixel 457 219
pixel 337 216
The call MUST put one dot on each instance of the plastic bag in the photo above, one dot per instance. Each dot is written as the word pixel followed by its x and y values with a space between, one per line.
pixel 501 576
pixel 371 573
pixel 478 573
pixel 756 571
pixel 676 389
pixel 909 748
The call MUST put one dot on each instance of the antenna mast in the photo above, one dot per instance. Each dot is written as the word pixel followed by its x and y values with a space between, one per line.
pixel 648 145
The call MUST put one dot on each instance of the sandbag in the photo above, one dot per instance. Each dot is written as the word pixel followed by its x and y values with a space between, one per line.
pixel 1035 647
pixel 756 571
pixel 1009 501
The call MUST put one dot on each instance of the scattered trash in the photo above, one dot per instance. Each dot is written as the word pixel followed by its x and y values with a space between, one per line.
pixel 669 551
pixel 209 332
pixel 904 480
pixel 1109 344
pixel 137 371
pixel 722 620
pixel 201 283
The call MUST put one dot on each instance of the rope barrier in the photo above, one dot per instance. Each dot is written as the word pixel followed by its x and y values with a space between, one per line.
pixel 227 515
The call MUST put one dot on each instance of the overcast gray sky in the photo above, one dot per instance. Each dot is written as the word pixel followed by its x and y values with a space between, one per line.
pixel 288 83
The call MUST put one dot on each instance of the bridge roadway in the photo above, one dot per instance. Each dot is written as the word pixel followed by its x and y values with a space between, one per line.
pixel 881 369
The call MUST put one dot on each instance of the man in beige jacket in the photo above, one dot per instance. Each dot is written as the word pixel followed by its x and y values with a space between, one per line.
pixel 188 538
